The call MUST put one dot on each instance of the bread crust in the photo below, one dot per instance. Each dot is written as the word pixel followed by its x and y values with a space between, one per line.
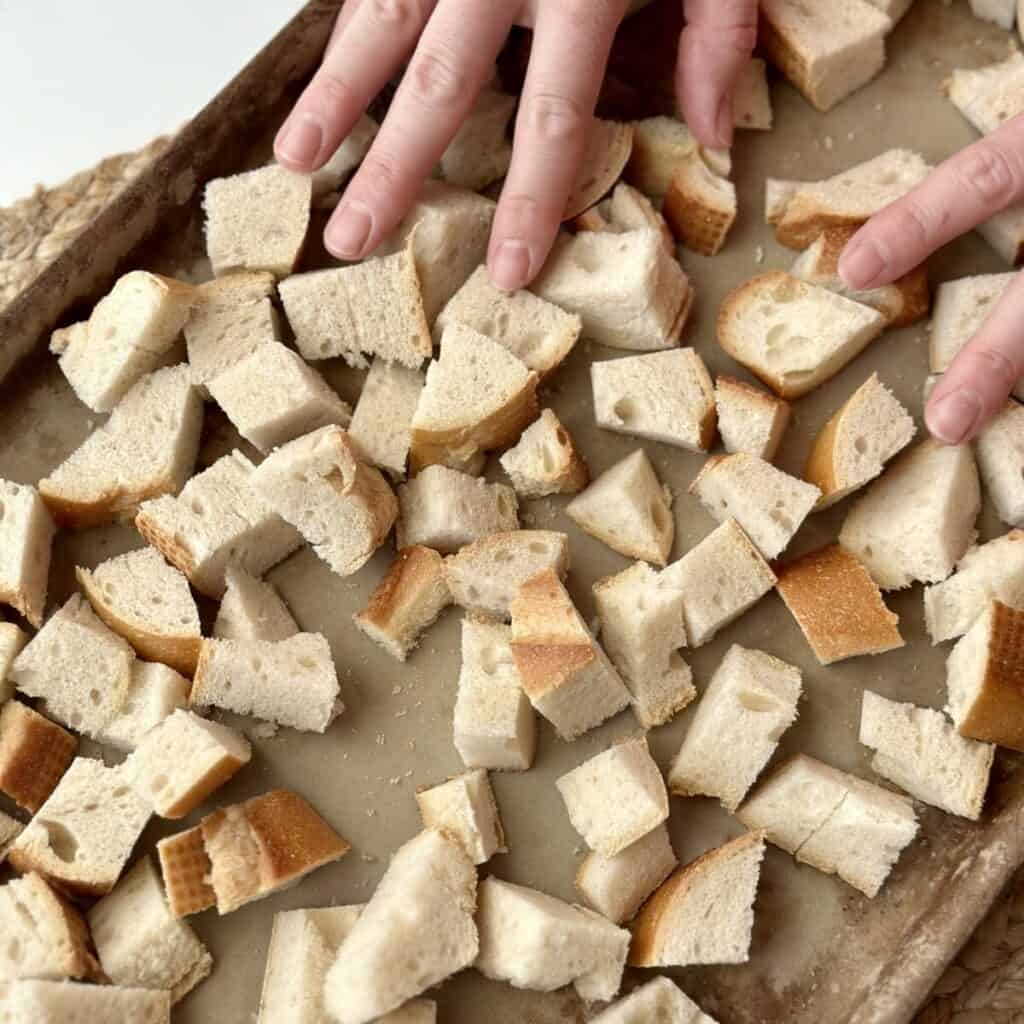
pixel 696 219
pixel 608 151
pixel 34 755
pixel 186 870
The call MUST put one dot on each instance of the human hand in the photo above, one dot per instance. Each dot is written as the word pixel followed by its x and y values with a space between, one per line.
pixel 453 46
pixel 959 194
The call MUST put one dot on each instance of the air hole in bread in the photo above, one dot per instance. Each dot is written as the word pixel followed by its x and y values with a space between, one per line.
pixel 307 663
pixel 121 791
pixel 503 556
pixel 777 335
pixel 156 599
pixel 562 437
pixel 90 808
pixel 110 333
pixel 860 445
pixel 660 516
pixel 61 842
pixel 2 510
pixel 14 947
pixel 159 783
pixel 624 410
pixel 487 327
pixel 198 507
pixel 95 697
pixel 474 594
pixel 585 259
pixel 756 701
pixel 547 459
pixel 724 503
pixel 255 664
pixel 537 548
pixel 868 550
pixel 641 604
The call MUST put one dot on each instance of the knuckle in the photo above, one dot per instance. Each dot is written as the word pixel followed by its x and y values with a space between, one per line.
pixel 335 90
pixel 380 173
pixel 988 173
pixel 436 79
pixel 524 215
pixel 394 13
pixel 992 362
pixel 554 118
pixel 917 222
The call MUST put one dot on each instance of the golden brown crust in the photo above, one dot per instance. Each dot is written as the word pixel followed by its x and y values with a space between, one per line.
pixel 608 150
pixel 821 462
pixel 786 58
pixel 696 221
pixel 917 298
pixel 167 544
pixel 804 219
pixel 34 755
pixel 226 767
pixel 116 504
pixel 838 606
pixel 186 869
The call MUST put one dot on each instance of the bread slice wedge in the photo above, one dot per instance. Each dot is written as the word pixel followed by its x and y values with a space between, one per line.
pixel 868 429
pixel 252 609
pixel 34 755
pixel 480 152
pixel 392 954
pixel 989 96
pixel 660 999
pixel 660 144
pixel 627 508
pixel 751 100
pixel 464 809
pixel 186 868
pixel 626 209
pixel 609 144
pixel 381 427
pixel 700 206
pixel 12 639
pixel 26 537
pixel 1000 12
pixel 791 334
pixel 145 449
pixel 49 1002
pixel 1004 232
pixel 749 419
pixel 545 460
pixel 154 692
pixel 1000 453
pixel 917 520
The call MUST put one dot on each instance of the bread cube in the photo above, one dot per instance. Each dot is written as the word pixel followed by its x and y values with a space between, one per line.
pixel 534 941
pixel 605 155
pixel 344 508
pixel 1000 452
pixel 381 427
pixel 751 100
pixel 407 601
pixel 627 508
pixel 10 829
pixel 615 798
pixel 140 943
pixel 660 144
pixel 700 206
pixel 838 606
pixel 444 509
pixel 563 669
pixel 34 755
pixel 480 151
pixel 660 1000
pixel 494 722
pixel 57 1002
pixel 770 505
pixel 545 460
pixel 26 536
pixel 749 420
pixel 185 866
pixel 262 678
pixel 626 209
pixel 12 640
pixel 346 158
pixel 749 703
pixel 257 220
pixel 989 96
pixel 252 609
pixel 464 808
pixel 154 692
pixel 999 12
pixel 1004 232
pixel 82 836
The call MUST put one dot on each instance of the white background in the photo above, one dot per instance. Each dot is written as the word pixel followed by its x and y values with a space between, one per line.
pixel 80 81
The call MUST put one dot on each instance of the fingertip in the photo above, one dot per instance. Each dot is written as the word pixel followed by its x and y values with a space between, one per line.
pixel 861 263
pixel 299 141
pixel 510 265
pixel 954 417
pixel 348 232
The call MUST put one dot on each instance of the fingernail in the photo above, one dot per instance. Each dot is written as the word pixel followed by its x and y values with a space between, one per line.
pixel 349 230
pixel 954 415
pixel 723 123
pixel 510 265
pixel 860 264
pixel 302 139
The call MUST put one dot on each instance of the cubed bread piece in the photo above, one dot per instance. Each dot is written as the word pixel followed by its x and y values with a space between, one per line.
pixel 292 682
pixel 828 49
pixel 478 397
pixel 627 508
pixel 867 430
pixel 444 509
pixel 392 954
pixel 12 640
pixel 538 333
pixel 563 669
pixel 700 206
pixel 608 146
pixel 534 941
pixel 778 194
pixel 147 448
pixel 903 302
pixel 642 627
pixel 140 943
pixel 183 760
pixel 920 751
pixel 480 152
pixel 985 678
pixel 252 609
pixel 660 144
pixel 272 396
pixel 257 220
pixel 10 829
pixel 219 335
pixel 618 886
pixel 838 606
pixel 545 460
pixel 44 936
pixel 992 571
pixel 82 836
pixel 186 869
pixel 1004 232
pixel 749 703
pixel 381 427
pixel 370 308
pixel 999 12
pixel 664 396
pixel 344 508
pixel 791 334
pixel 34 755
pixel 494 722
pixel 130 333
pixel 917 520
pixel 148 602
pixel 154 692
pixel 751 100
pixel 616 797
pixel 464 809
pixel 71 1002
pixel 661 1000
pixel 1000 451
pixel 769 504
pixel 895 9
pixel 218 520
pixel 833 821
pixel 26 536
pixel 62 337
pixel 78 666
pixel 346 158
pixel 627 290
pixel 406 602
pixel 704 913
pixel 720 578
pixel 991 95
pixel 626 209
pixel 749 420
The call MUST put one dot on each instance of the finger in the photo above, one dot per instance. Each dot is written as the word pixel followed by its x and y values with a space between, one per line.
pixel 985 371
pixel 959 194
pixel 715 45
pixel 377 37
pixel 454 59
pixel 571 43
pixel 345 16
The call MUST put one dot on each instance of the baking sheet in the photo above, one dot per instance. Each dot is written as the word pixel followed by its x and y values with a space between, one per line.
pixel 821 952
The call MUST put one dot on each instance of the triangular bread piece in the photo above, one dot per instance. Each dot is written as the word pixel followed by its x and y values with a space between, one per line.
pixel 609 144
pixel 700 206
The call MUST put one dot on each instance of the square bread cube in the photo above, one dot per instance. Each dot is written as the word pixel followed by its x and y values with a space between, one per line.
pixel 749 703
pixel 616 798
pixel 658 1000
pixel 10 829
pixel 495 725
pixel 751 100
pixel 12 640
pixel 545 460
pixel 749 419
pixel 252 609
pixel 700 205
pixel 185 867
pixel 1004 232
pixel 26 536
pixel 34 755
pixel 257 220
pixel 990 95
pixel 1000 453
pixel 660 144
pixel 346 158
pixel 57 1002
pixel 140 943
pixel 381 427
pixel 465 809
pixel 155 691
